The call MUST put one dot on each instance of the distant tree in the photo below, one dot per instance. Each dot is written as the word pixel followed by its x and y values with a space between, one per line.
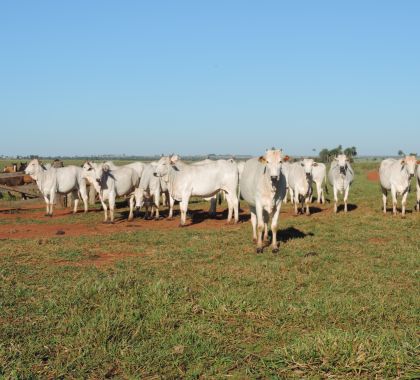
pixel 324 155
pixel 401 153
pixel 350 152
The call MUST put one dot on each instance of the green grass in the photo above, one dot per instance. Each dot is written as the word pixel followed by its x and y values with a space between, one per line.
pixel 341 301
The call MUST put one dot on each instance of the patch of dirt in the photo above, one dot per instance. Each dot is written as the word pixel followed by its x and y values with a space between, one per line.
pixel 373 176
pixel 61 224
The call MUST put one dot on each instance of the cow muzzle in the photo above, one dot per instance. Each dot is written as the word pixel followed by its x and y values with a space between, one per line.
pixel 274 178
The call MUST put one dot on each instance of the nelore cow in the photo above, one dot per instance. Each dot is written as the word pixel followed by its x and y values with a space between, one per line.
pixel 341 176
pixel 63 180
pixel 263 186
pixel 395 176
pixel 300 182
pixel 205 180
pixel 112 183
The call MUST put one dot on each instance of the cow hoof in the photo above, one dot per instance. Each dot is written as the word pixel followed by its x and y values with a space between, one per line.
pixel 259 250
pixel 275 250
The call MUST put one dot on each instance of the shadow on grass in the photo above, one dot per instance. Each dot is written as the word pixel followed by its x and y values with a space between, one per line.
pixel 291 233
pixel 350 207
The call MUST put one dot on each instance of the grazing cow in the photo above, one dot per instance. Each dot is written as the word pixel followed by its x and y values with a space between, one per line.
pixel 341 176
pixel 395 175
pixel 151 188
pixel 64 180
pixel 418 185
pixel 300 182
pixel 204 181
pixel 263 186
pixel 109 184
pixel 319 176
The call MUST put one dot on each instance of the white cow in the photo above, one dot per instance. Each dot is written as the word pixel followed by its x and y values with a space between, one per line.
pixel 341 176
pixel 64 180
pixel 418 185
pixel 263 186
pixel 151 188
pixel 110 184
pixel 395 175
pixel 204 180
pixel 319 176
pixel 138 166
pixel 300 182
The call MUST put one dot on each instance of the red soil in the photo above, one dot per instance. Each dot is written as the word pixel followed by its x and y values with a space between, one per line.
pixel 373 176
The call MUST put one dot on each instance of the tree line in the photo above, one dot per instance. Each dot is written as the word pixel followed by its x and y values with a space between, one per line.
pixel 327 155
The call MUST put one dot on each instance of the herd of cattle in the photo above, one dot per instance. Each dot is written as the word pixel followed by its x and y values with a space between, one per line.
pixel 263 182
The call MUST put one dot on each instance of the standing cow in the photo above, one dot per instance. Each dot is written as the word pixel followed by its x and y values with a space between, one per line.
pixel 204 181
pixel 263 186
pixel 300 182
pixel 395 176
pixel 63 180
pixel 341 176
pixel 123 181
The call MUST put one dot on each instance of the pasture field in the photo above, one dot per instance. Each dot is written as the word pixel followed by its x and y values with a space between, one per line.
pixel 149 300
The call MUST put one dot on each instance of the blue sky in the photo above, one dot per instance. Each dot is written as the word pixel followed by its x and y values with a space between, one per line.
pixel 198 77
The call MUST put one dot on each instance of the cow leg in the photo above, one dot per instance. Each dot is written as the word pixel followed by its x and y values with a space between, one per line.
pixel 183 205
pixel 171 207
pixel 404 202
pixel 335 190
pixel 260 227
pixel 230 208
pixel 346 195
pixel 254 224
pixel 292 196
pixel 384 195
pixel 286 195
pixel 156 199
pixel 131 214
pixel 394 200
pixel 75 196
pixel 111 202
pixel 296 201
pixel 47 205
pixel 104 206
pixel 319 193
pixel 235 202
pixel 85 198
pixel 274 226
pixel 52 198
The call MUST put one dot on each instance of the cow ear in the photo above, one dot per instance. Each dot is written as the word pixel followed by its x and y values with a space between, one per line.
pixel 262 160
pixel 286 158
pixel 418 162
pixel 402 162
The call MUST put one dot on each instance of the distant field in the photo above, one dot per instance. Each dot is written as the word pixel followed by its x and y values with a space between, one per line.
pixel 149 300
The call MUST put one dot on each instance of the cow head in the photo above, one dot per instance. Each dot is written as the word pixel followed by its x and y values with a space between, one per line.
pixel 308 164
pixel 342 162
pixel 163 166
pixel 33 168
pixel 272 160
pixel 408 163
pixel 90 173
